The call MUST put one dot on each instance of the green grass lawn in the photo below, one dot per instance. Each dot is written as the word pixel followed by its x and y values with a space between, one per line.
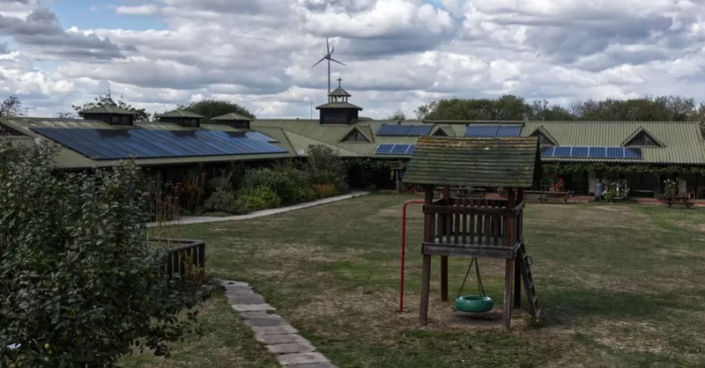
pixel 620 286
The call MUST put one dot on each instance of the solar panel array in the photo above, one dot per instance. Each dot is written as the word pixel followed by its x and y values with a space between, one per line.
pixel 404 130
pixel 491 131
pixel 108 144
pixel 593 152
pixel 395 149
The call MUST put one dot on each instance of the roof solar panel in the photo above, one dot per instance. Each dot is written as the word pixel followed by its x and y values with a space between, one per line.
pixel 509 131
pixel 615 152
pixel 579 152
pixel 261 137
pixel 400 149
pixel 384 149
pixel 633 153
pixel 411 149
pixel 420 130
pixel 598 152
pixel 102 144
pixel 394 130
pixel 481 131
pixel 548 151
pixel 562 151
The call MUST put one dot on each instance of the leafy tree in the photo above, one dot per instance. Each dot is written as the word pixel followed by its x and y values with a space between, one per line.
pixel 80 285
pixel 397 115
pixel 214 108
pixel 665 108
pixel 542 110
pixel 323 166
pixel 65 115
pixel 107 99
pixel 504 108
pixel 11 107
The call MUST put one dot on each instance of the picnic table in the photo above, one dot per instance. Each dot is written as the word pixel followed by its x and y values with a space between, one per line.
pixel 544 196
pixel 684 200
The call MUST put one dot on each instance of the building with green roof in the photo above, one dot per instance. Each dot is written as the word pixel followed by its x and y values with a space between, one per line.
pixel 579 153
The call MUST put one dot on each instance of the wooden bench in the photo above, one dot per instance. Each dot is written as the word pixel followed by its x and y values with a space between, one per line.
pixel 544 196
pixel 684 200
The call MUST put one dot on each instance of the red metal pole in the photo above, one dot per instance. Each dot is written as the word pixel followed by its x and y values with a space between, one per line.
pixel 403 250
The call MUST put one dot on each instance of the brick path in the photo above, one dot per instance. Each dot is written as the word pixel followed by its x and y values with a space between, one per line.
pixel 278 336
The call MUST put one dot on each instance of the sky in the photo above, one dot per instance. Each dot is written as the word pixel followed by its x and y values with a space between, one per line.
pixel 399 54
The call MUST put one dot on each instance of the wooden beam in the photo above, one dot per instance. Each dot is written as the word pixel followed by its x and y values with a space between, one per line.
pixel 426 271
pixel 507 313
pixel 444 259
pixel 517 283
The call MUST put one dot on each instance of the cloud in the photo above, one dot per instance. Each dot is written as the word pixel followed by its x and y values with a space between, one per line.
pixel 398 53
pixel 145 9
pixel 42 32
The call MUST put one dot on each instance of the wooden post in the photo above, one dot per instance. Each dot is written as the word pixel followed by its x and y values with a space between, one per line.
pixel 517 265
pixel 444 259
pixel 507 313
pixel 509 267
pixel 426 272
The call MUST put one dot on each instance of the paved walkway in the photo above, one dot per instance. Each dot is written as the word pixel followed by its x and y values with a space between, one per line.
pixel 279 337
pixel 188 220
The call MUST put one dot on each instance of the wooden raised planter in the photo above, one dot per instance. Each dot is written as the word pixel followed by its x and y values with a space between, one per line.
pixel 184 256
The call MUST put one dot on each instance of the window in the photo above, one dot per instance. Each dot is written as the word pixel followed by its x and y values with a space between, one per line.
pixel 643 139
pixel 242 124
pixel 440 133
pixel 125 120
pixel 355 136
pixel 115 119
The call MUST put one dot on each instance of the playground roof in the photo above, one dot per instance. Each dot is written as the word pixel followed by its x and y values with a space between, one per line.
pixel 478 162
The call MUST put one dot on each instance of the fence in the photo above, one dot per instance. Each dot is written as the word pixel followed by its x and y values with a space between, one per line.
pixel 186 257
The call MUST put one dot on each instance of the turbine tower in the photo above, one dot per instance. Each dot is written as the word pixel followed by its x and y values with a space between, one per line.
pixel 329 57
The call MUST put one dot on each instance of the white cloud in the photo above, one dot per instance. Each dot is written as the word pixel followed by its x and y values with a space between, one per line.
pixel 144 9
pixel 399 53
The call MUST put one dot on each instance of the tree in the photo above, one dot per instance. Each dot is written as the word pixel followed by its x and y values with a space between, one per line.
pixel 665 108
pixel 214 108
pixel 504 108
pixel 107 99
pixel 11 107
pixel 397 115
pixel 80 285
pixel 65 115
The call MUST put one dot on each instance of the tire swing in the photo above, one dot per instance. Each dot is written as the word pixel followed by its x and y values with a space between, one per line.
pixel 474 303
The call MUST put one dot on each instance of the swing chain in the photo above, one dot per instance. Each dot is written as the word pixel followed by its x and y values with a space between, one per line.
pixel 479 279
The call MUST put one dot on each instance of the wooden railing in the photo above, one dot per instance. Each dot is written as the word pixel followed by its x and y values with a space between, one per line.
pixel 474 225
pixel 190 256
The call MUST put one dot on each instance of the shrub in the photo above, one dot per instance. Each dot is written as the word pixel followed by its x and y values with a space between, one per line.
pixel 80 285
pixel 325 190
pixel 257 199
pixel 285 188
pixel 221 201
pixel 325 167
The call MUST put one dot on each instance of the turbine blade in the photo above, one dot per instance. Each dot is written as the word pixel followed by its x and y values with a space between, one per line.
pixel 319 61
pixel 331 59
pixel 327 46
pixel 332 50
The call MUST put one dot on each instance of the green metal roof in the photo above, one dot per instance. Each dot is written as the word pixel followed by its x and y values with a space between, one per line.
pixel 478 162
pixel 682 140
pixel 338 105
pixel 340 92
pixel 231 116
pixel 181 114
pixel 108 109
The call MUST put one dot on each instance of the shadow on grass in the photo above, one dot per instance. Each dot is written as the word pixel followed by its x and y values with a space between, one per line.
pixel 563 306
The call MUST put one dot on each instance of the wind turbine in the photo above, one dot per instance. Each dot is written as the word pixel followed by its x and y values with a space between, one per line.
pixel 329 57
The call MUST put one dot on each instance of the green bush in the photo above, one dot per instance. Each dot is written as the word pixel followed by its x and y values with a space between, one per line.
pixel 221 201
pixel 257 199
pixel 323 166
pixel 80 285
pixel 286 188
pixel 325 190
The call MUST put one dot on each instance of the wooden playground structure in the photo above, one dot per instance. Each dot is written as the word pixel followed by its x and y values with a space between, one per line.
pixel 472 227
